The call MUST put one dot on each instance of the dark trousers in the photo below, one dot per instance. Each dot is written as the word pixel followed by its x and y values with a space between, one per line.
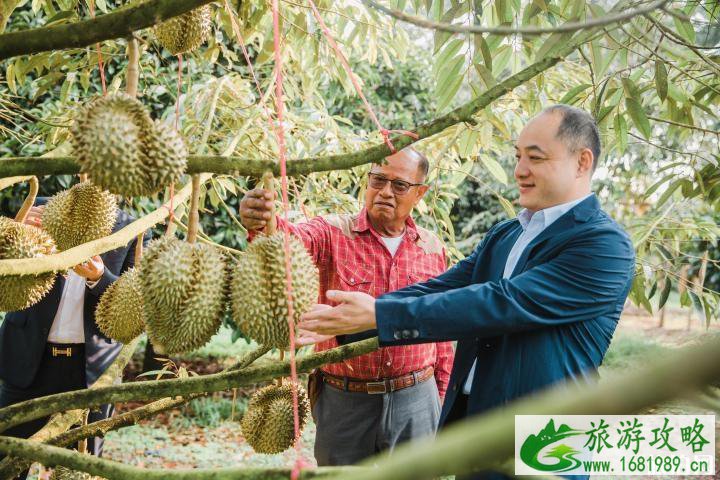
pixel 56 375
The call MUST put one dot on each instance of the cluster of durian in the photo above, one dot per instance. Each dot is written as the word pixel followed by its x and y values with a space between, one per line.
pixel 64 473
pixel 120 313
pixel 18 241
pixel 185 32
pixel 123 150
pixel 268 424
pixel 81 214
pixel 258 290
pixel 184 293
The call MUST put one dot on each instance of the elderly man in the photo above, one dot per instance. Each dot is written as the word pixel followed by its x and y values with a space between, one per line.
pixel 55 346
pixel 370 403
pixel 538 300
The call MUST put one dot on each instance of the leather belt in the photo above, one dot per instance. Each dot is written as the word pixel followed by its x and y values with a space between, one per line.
pixel 384 385
pixel 65 349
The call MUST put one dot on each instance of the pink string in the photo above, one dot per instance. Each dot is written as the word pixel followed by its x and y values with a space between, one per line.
pixel 280 131
pixel 346 65
pixel 101 65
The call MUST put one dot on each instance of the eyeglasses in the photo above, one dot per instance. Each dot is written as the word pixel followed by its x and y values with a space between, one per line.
pixel 399 187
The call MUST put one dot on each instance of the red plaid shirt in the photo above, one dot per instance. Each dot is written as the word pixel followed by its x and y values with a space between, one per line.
pixel 351 256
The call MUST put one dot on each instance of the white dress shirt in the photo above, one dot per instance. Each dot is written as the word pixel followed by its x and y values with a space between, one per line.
pixel 533 225
pixel 68 325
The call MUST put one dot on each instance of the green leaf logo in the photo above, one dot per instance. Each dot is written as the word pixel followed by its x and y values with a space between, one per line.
pixel 564 454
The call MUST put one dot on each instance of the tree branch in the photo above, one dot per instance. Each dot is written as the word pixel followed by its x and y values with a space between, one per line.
pixel 477 30
pixel 10 467
pixel 41 407
pixel 119 23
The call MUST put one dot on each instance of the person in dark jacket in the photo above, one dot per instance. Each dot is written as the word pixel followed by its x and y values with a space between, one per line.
pixel 55 346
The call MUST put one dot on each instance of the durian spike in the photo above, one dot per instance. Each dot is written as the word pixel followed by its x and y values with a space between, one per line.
pixel 133 72
pixel 194 215
pixel 268 182
pixel 29 201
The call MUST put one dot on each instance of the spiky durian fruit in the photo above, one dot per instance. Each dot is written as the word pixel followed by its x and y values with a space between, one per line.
pixel 259 299
pixel 120 314
pixel 18 240
pixel 79 215
pixel 185 32
pixel 268 424
pixel 123 151
pixel 183 288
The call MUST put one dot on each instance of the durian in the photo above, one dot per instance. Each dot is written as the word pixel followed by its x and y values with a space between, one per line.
pixel 123 151
pixel 185 32
pixel 18 240
pixel 184 291
pixel 259 299
pixel 268 424
pixel 119 313
pixel 79 215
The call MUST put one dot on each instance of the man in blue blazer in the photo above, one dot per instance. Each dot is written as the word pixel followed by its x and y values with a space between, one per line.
pixel 538 300
pixel 55 345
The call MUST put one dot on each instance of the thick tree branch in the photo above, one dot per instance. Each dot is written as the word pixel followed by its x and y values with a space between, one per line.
pixel 152 390
pixel 56 433
pixel 474 444
pixel 119 23
pixel 478 30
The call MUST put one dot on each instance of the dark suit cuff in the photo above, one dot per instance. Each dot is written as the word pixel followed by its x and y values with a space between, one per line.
pixel 392 327
pixel 107 279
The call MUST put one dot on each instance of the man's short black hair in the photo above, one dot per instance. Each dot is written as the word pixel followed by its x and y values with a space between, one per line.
pixel 578 129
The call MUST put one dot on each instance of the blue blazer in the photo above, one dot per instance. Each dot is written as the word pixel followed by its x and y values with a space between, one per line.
pixel 552 320
pixel 24 333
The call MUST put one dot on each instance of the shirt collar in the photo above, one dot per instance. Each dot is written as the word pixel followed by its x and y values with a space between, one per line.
pixel 361 223
pixel 548 215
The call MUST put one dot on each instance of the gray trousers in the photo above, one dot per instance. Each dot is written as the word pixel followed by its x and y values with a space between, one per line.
pixel 352 426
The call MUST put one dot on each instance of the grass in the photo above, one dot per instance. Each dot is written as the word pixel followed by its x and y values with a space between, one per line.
pixel 627 350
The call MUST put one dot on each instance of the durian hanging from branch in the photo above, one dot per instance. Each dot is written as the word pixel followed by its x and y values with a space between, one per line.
pixel 18 240
pixel 123 150
pixel 259 294
pixel 185 33
pixel 184 288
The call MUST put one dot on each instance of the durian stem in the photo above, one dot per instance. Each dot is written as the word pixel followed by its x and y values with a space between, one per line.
pixel 82 444
pixel 282 359
pixel 29 201
pixel 83 177
pixel 268 182
pixel 132 74
pixel 194 215
pixel 139 247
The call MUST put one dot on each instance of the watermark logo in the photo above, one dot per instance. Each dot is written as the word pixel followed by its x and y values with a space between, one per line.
pixel 615 445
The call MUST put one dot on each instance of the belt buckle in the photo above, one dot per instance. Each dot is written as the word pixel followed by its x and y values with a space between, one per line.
pixel 377 384
pixel 56 352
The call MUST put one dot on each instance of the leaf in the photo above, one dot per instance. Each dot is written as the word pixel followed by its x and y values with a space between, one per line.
pixel 668 193
pixel 657 184
pixel 685 29
pixel 661 81
pixel 494 168
pixel 507 206
pixel 621 129
pixel 637 114
pixel 573 93
pixel 665 293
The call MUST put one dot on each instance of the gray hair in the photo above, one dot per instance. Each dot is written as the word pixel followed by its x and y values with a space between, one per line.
pixel 423 162
pixel 578 129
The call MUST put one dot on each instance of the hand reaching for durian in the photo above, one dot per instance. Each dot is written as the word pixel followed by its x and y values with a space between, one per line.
pixel 356 313
pixel 92 270
pixel 256 208
pixel 34 217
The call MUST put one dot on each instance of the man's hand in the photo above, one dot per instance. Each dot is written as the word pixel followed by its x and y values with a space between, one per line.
pixel 356 313
pixel 34 216
pixel 92 270
pixel 256 208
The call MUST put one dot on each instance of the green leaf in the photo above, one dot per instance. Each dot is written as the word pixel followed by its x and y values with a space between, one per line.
pixel 494 168
pixel 502 57
pixel 507 206
pixel 668 193
pixel 657 184
pixel 661 81
pixel 573 93
pixel 621 129
pixel 665 293
pixel 685 29
pixel 481 45
pixel 637 114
